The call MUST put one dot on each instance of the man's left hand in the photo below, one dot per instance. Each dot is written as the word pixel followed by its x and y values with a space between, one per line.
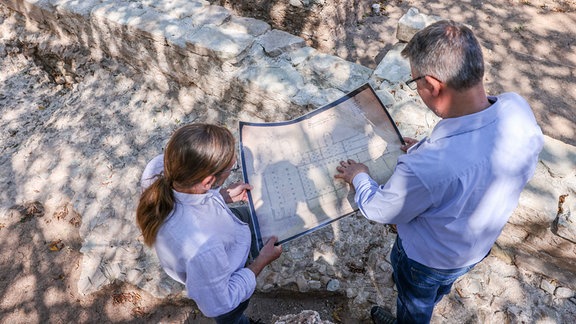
pixel 349 169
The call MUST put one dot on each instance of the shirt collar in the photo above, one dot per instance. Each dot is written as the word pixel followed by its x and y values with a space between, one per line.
pixel 454 126
pixel 195 199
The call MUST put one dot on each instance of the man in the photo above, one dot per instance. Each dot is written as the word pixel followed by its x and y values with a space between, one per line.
pixel 453 192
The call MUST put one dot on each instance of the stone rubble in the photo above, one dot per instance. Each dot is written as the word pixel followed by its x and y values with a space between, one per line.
pixel 304 317
pixel 241 69
pixel 412 22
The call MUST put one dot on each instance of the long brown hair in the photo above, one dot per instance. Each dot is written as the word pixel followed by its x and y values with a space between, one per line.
pixel 193 153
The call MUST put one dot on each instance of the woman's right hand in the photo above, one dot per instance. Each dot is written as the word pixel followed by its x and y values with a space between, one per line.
pixel 236 192
pixel 268 253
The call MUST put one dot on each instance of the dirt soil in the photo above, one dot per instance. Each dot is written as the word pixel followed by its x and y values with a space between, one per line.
pixel 529 49
pixel 529 45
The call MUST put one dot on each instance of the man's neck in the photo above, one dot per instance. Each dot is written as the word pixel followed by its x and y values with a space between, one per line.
pixel 467 102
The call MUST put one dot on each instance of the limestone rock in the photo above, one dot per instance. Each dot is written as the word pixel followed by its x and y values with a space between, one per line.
pixel 304 317
pixel 563 167
pixel 548 286
pixel 275 42
pixel 333 285
pixel 564 292
pixel 393 67
pixel 565 223
pixel 411 23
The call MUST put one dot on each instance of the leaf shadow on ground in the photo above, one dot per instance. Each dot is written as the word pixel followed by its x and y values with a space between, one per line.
pixel 41 284
pixel 528 45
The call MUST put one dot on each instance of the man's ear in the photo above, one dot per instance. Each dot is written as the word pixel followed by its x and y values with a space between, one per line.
pixel 434 86
pixel 208 182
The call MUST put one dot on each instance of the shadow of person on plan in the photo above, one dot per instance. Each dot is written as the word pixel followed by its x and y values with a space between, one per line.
pixel 273 201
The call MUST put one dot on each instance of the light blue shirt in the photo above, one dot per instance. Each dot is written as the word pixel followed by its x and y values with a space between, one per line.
pixel 204 246
pixel 454 191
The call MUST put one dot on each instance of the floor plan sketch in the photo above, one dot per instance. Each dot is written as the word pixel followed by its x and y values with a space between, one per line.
pixel 291 164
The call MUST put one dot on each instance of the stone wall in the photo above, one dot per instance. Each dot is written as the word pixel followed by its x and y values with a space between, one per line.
pixel 234 69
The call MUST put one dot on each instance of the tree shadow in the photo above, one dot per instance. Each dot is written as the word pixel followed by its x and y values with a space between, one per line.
pixel 528 46
pixel 121 119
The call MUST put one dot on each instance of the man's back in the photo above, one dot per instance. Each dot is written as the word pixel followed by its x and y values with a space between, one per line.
pixel 474 168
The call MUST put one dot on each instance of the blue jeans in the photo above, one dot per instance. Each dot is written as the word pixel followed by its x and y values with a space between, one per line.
pixel 420 287
pixel 236 316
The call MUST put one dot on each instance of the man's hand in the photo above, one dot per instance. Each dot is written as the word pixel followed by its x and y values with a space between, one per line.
pixel 409 143
pixel 349 169
pixel 268 253
pixel 236 192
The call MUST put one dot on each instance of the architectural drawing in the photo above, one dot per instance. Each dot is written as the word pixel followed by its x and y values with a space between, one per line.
pixel 292 164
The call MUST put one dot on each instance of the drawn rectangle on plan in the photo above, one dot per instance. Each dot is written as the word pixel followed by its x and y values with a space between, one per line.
pixel 291 164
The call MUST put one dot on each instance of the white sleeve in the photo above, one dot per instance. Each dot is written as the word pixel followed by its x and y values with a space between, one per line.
pixel 153 169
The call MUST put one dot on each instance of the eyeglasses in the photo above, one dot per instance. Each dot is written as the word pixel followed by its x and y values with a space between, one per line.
pixel 412 83
pixel 235 168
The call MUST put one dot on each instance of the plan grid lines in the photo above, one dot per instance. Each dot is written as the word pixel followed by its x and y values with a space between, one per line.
pixel 292 164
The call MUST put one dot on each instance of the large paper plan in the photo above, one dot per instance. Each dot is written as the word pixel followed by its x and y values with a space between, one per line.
pixel 291 164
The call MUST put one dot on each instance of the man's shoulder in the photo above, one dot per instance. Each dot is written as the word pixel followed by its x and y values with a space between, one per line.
pixel 513 109
pixel 512 98
pixel 510 95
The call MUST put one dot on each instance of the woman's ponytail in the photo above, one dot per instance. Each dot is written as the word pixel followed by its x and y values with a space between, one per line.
pixel 156 203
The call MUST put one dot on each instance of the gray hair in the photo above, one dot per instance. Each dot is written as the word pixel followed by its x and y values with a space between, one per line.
pixel 449 52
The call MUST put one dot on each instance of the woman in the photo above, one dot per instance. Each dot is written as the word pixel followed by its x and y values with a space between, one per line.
pixel 199 240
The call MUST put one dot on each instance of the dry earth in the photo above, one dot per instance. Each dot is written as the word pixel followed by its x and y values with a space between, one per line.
pixel 529 44
pixel 530 50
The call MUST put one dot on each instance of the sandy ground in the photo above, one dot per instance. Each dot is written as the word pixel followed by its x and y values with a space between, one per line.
pixel 530 50
pixel 528 44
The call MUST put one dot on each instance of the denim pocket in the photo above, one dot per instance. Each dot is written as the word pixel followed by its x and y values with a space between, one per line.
pixel 424 276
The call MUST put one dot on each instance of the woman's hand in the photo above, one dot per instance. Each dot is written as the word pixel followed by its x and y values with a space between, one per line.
pixel 236 192
pixel 268 253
